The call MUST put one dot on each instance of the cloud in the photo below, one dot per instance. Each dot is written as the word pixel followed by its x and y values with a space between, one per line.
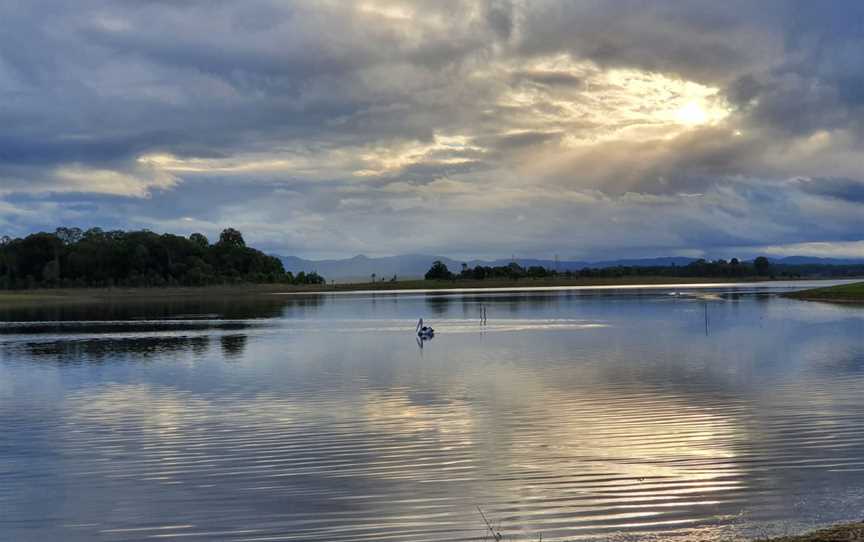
pixel 476 128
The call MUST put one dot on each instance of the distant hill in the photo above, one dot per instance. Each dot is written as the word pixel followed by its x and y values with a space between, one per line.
pixel 408 266
pixel 812 260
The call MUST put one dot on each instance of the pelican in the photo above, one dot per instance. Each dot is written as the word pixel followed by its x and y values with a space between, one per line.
pixel 424 332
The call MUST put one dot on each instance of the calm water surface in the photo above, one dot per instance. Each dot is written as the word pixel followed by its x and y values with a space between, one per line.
pixel 600 414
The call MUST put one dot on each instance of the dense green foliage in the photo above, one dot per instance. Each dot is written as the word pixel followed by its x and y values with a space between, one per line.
pixel 70 257
pixel 438 271
pixel 760 267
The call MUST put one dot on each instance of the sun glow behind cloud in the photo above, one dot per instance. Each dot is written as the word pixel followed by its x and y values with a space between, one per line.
pixel 573 102
pixel 594 105
pixel 692 113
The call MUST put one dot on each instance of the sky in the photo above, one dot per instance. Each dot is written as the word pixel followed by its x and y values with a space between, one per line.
pixel 465 128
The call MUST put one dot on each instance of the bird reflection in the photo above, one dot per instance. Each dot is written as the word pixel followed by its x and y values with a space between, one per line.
pixel 423 339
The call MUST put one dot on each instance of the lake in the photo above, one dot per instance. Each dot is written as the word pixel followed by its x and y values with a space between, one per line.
pixel 693 413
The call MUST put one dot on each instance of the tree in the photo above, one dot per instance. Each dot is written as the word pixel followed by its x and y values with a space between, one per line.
pixel 515 271
pixel 735 268
pixel 34 252
pixel 96 258
pixel 69 236
pixel 200 240
pixel 762 266
pixel 51 272
pixel 94 233
pixel 438 271
pixel 231 238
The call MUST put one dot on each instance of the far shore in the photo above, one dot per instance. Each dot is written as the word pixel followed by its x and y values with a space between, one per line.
pixel 102 295
pixel 544 283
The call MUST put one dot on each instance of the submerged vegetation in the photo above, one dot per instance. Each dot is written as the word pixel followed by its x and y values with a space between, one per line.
pixel 72 258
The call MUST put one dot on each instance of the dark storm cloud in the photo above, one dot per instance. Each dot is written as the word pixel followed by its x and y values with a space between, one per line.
pixel 819 81
pixel 639 124
pixel 843 189
pixel 706 40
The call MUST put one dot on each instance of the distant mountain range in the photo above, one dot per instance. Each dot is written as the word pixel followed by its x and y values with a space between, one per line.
pixel 409 266
pixel 812 260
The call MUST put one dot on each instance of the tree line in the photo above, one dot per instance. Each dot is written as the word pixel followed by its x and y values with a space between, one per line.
pixel 71 257
pixel 733 268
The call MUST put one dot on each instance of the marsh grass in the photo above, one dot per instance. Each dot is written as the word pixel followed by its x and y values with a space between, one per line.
pixel 844 293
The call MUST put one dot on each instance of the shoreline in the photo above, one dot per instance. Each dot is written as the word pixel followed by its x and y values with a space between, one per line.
pixel 460 285
pixel 470 284
pixel 62 296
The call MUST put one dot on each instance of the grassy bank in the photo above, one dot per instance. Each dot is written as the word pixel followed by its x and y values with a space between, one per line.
pixel 845 293
pixel 101 295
